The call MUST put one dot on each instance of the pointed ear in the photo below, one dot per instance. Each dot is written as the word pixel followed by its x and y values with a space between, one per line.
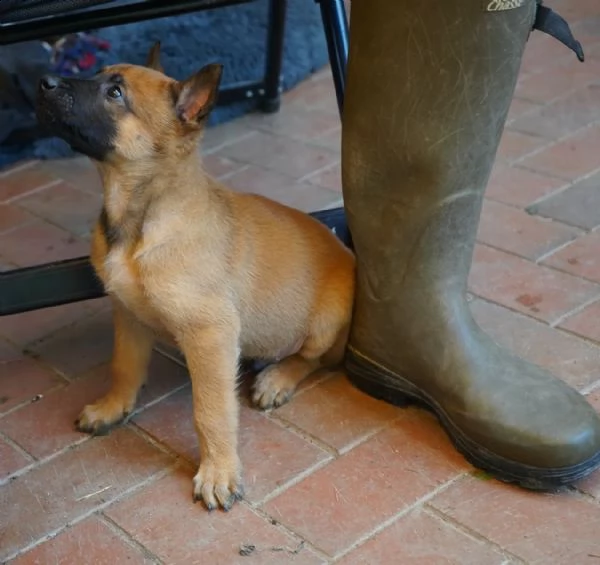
pixel 197 95
pixel 153 58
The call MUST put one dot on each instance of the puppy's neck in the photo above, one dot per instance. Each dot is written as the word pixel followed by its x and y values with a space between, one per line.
pixel 130 188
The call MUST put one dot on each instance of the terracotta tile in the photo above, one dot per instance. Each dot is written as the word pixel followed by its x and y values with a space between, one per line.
pixel 520 187
pixel 574 360
pixel 331 140
pixel 299 123
pixel 557 81
pixel 316 94
pixel 570 158
pixel 539 291
pixel 354 494
pixel 542 53
pixel 580 258
pixel 585 323
pixel 422 539
pixel 12 217
pixel 23 379
pixel 539 528
pixel 47 426
pixel 513 230
pixel 11 460
pixel 21 181
pixel 218 166
pixel 337 413
pixel 278 153
pixel 73 484
pixel 564 116
pixel 90 541
pixel 515 145
pixel 226 134
pixel 578 205
pixel 282 188
pixel 79 172
pixel 70 208
pixel 520 107
pixel 23 329
pixel 91 338
pixel 38 243
pixel 163 519
pixel 271 455
pixel 330 178
pixel 8 352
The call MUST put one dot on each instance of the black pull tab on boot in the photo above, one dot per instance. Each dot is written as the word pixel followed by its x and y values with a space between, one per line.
pixel 550 22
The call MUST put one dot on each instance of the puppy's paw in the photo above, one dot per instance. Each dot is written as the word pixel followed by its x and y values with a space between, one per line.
pixel 272 388
pixel 218 485
pixel 100 417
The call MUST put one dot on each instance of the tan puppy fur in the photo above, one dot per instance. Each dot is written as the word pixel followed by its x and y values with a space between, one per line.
pixel 223 274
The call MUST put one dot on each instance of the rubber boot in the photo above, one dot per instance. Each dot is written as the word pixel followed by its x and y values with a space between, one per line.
pixel 428 91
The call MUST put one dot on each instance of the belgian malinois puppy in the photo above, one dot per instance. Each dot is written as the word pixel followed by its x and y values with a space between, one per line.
pixel 225 275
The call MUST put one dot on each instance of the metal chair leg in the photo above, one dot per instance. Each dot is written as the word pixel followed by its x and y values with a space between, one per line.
pixel 271 98
pixel 335 22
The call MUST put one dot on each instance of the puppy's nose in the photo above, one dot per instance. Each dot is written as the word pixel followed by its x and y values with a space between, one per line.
pixel 49 82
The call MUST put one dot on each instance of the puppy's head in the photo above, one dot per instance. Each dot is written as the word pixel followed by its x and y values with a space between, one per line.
pixel 128 111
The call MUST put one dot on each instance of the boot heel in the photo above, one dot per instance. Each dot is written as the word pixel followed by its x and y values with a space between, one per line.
pixel 377 382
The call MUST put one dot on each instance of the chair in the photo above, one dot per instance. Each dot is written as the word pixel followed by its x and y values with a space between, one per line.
pixel 73 280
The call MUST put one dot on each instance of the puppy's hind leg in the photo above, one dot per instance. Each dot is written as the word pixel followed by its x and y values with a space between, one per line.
pixel 275 385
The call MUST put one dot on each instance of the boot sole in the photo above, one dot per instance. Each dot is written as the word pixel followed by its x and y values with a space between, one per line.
pixel 384 385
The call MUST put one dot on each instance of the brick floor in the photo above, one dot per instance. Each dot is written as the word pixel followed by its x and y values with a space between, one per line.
pixel 334 476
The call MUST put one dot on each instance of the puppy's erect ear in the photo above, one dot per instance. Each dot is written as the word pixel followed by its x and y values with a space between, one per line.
pixel 153 58
pixel 197 95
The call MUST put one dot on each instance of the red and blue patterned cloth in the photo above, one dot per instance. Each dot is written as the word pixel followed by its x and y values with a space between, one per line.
pixel 76 53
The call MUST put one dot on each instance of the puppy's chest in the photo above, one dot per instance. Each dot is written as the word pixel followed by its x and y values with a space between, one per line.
pixel 123 280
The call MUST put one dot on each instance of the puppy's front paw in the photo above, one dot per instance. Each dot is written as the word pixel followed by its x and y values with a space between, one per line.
pixel 218 485
pixel 272 388
pixel 100 417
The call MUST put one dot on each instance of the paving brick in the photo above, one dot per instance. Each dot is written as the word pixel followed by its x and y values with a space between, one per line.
pixel 564 116
pixel 315 94
pixel 580 258
pixel 585 323
pixel 354 494
pixel 513 230
pixel 8 352
pixel 79 172
pixel 39 242
pixel 47 426
pixel 282 188
pixel 422 539
pixel 91 338
pixel 90 541
pixel 578 205
pixel 20 181
pixel 539 528
pixel 163 519
pixel 73 484
pixel 67 207
pixel 330 178
pixel 11 460
pixel 226 134
pixel 557 81
pixel 515 145
pixel 542 53
pixel 574 360
pixel 520 107
pixel 25 328
pixel 337 413
pixel 280 154
pixel 520 187
pixel 218 166
pixel 331 140
pixel 22 379
pixel 271 455
pixel 12 217
pixel 539 291
pixel 570 158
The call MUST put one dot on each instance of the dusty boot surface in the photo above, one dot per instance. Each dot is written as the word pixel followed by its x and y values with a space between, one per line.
pixel 427 97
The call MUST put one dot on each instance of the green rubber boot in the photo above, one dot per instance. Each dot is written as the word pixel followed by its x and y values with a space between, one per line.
pixel 428 91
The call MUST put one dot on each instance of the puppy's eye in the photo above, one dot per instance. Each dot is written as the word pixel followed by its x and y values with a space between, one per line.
pixel 114 92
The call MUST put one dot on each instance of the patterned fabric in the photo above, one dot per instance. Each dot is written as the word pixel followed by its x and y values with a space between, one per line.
pixel 76 53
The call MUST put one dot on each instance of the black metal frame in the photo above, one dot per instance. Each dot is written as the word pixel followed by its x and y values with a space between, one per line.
pixel 73 280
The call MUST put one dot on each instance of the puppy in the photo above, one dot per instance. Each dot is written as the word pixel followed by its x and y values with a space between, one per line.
pixel 225 275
